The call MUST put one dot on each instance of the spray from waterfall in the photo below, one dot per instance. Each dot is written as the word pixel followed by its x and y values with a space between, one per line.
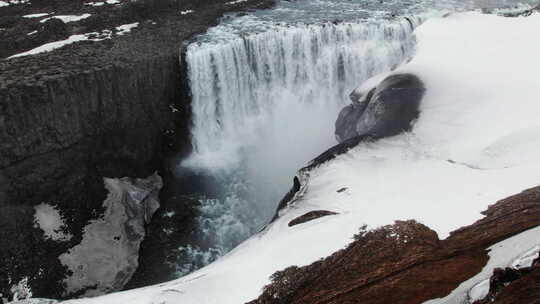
pixel 265 104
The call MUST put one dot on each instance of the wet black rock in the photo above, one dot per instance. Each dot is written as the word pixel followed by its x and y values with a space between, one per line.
pixel 172 227
pixel 386 110
pixel 309 216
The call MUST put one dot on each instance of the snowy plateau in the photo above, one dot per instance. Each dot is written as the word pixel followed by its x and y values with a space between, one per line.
pixel 475 141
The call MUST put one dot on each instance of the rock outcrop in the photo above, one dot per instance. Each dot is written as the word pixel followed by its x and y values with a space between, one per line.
pixel 407 263
pixel 309 216
pixel 511 285
pixel 388 109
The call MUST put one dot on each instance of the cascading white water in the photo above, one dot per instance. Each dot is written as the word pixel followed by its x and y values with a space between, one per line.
pixel 265 104
pixel 239 87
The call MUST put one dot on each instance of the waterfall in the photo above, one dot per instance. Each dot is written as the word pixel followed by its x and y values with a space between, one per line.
pixel 237 86
pixel 265 104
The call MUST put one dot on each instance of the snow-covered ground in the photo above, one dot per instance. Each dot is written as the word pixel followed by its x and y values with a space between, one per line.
pixel 12 2
pixel 68 18
pixel 475 142
pixel 101 3
pixel 93 36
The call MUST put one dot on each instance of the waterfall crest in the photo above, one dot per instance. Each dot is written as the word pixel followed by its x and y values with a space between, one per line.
pixel 238 86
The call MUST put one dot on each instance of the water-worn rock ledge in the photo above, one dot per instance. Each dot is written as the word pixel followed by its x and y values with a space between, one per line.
pixel 89 110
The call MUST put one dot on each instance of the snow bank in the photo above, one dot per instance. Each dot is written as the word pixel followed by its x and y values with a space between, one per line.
pixel 36 15
pixel 126 28
pixel 102 3
pixel 52 45
pixel 108 254
pixel 51 222
pixel 68 18
pixel 93 36
pixel 235 2
pixel 500 256
pixel 12 2
pixel 474 143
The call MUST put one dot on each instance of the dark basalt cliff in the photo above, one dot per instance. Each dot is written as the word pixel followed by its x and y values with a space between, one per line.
pixel 112 108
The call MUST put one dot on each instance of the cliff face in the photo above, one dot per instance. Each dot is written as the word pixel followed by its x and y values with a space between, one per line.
pixel 68 118
pixel 110 121
pixel 61 136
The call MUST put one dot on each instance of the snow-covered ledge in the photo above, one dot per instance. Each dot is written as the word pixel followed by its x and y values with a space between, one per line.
pixel 108 255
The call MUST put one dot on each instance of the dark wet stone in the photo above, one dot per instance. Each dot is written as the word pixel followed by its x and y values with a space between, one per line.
pixel 386 110
pixel 312 215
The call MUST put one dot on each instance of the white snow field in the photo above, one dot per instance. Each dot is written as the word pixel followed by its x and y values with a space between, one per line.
pixel 475 142
pixel 92 36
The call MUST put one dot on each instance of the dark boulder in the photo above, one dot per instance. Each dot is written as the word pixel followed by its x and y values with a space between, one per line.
pixel 309 216
pixel 386 110
pixel 52 30
pixel 349 115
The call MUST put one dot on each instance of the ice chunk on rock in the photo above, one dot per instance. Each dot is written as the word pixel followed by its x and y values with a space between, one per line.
pixel 107 256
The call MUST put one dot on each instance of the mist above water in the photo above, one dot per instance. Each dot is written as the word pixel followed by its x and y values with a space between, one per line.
pixel 265 104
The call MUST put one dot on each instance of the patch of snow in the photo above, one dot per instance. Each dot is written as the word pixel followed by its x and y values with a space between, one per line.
pixel 36 15
pixel 68 18
pixel 235 2
pixel 500 256
pixel 21 290
pixel 108 254
pixel 169 214
pixel 527 258
pixel 479 291
pixel 95 3
pixel 51 222
pixel 102 3
pixel 93 36
pixel 52 46
pixel 13 2
pixel 482 85
pixel 32 33
pixel 186 12
pixel 126 28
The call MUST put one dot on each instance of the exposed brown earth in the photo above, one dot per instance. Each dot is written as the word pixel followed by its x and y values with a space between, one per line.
pixel 406 263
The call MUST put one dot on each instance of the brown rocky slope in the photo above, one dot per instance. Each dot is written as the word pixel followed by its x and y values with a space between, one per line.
pixel 406 263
